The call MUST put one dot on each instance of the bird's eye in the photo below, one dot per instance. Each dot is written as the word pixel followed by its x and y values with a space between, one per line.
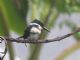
pixel 36 25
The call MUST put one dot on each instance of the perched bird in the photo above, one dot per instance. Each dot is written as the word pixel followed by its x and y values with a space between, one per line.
pixel 34 29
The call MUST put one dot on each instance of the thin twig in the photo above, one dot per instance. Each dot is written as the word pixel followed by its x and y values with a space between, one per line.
pixel 41 41
pixel 5 50
pixel 5 39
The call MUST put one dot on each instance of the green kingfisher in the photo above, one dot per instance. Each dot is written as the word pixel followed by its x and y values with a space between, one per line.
pixel 33 30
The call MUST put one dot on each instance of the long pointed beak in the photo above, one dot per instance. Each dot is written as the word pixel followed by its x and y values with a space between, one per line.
pixel 46 29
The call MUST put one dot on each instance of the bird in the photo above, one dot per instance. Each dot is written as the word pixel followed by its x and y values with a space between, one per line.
pixel 33 30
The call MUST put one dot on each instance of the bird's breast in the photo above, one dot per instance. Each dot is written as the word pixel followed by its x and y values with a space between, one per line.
pixel 35 30
pixel 33 36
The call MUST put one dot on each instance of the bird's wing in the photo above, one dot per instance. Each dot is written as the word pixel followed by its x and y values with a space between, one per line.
pixel 26 33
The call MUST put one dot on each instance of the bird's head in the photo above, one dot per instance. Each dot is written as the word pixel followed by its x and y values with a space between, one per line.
pixel 37 26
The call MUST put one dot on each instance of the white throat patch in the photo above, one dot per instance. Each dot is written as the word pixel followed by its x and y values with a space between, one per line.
pixel 39 27
pixel 35 30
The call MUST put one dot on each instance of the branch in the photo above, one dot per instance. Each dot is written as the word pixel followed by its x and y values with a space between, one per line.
pixel 5 39
pixel 41 41
pixel 5 50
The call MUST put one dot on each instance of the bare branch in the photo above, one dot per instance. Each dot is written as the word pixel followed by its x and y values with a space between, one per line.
pixel 41 41
pixel 5 39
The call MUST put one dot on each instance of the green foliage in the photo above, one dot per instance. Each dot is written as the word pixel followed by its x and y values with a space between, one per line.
pixel 2 28
pixel 10 15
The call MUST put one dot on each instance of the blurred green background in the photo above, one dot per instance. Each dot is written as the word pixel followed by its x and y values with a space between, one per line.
pixel 16 14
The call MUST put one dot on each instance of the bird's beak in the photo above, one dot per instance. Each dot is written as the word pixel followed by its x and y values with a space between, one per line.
pixel 46 29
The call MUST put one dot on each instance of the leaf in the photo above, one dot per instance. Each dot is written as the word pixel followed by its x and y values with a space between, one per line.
pixel 21 7
pixel 2 29
pixel 14 20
